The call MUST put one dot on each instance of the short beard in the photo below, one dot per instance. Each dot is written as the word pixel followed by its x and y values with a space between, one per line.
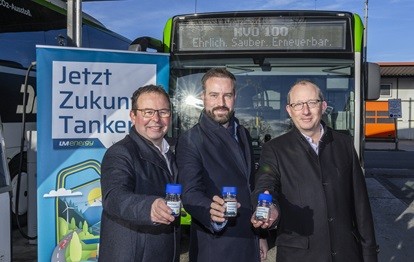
pixel 222 120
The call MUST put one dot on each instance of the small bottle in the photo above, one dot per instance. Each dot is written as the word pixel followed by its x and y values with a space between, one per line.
pixel 229 196
pixel 263 207
pixel 173 198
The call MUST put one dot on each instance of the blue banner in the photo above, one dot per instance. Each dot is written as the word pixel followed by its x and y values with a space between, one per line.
pixel 83 108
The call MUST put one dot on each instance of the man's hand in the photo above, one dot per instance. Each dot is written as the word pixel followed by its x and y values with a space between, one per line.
pixel 217 210
pixel 273 216
pixel 161 213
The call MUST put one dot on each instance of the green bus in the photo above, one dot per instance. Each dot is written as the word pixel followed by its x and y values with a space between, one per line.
pixel 268 51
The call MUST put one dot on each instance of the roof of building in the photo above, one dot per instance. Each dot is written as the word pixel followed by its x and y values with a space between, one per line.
pixel 397 69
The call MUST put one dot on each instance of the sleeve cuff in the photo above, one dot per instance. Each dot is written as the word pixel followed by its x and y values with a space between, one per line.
pixel 217 227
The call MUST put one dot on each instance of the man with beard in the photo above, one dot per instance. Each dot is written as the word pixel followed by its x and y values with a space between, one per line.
pixel 213 154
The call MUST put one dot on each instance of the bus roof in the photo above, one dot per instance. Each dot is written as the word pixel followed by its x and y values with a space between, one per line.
pixel 271 12
pixel 24 15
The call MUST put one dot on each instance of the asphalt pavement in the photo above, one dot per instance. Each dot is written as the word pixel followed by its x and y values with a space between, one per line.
pixel 391 196
pixel 391 193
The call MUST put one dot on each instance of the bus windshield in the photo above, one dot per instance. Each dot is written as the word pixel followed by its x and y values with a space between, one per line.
pixel 261 92
pixel 268 51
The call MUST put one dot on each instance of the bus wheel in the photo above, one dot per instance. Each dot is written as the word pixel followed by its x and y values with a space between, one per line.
pixel 14 168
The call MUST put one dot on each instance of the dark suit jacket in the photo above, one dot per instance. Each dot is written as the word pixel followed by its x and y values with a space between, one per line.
pixel 325 210
pixel 208 158
pixel 134 174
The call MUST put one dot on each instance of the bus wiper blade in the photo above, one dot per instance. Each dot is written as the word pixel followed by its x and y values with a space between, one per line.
pixel 333 70
pixel 244 70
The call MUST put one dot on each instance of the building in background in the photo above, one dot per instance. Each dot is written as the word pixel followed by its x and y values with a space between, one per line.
pixel 397 82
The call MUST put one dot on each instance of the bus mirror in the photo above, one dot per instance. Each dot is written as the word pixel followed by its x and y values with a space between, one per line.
pixel 373 81
pixel 139 44
pixel 143 43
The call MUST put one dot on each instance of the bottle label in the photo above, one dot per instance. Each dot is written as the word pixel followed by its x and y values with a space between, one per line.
pixel 231 209
pixel 175 206
pixel 262 213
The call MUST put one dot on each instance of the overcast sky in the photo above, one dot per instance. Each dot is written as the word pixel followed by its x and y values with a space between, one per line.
pixel 390 22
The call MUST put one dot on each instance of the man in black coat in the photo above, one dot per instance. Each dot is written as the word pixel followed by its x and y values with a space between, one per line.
pixel 213 154
pixel 136 223
pixel 314 174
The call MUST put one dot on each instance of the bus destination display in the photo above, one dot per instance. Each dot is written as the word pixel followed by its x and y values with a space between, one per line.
pixel 260 33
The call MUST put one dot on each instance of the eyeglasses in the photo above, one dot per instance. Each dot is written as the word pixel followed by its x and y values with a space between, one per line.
pixel 148 112
pixel 310 103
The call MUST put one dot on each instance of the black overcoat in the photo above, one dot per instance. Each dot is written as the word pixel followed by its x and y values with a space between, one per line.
pixel 325 210
pixel 134 174
pixel 208 158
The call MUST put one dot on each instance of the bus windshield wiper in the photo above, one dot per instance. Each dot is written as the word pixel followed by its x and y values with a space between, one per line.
pixel 335 68
pixel 244 70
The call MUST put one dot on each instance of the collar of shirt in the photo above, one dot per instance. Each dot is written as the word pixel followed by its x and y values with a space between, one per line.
pixel 165 147
pixel 315 146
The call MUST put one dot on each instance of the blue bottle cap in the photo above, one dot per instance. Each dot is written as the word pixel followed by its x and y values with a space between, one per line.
pixel 265 197
pixel 229 190
pixel 173 189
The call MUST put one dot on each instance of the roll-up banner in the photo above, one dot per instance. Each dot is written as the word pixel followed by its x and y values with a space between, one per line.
pixel 83 104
